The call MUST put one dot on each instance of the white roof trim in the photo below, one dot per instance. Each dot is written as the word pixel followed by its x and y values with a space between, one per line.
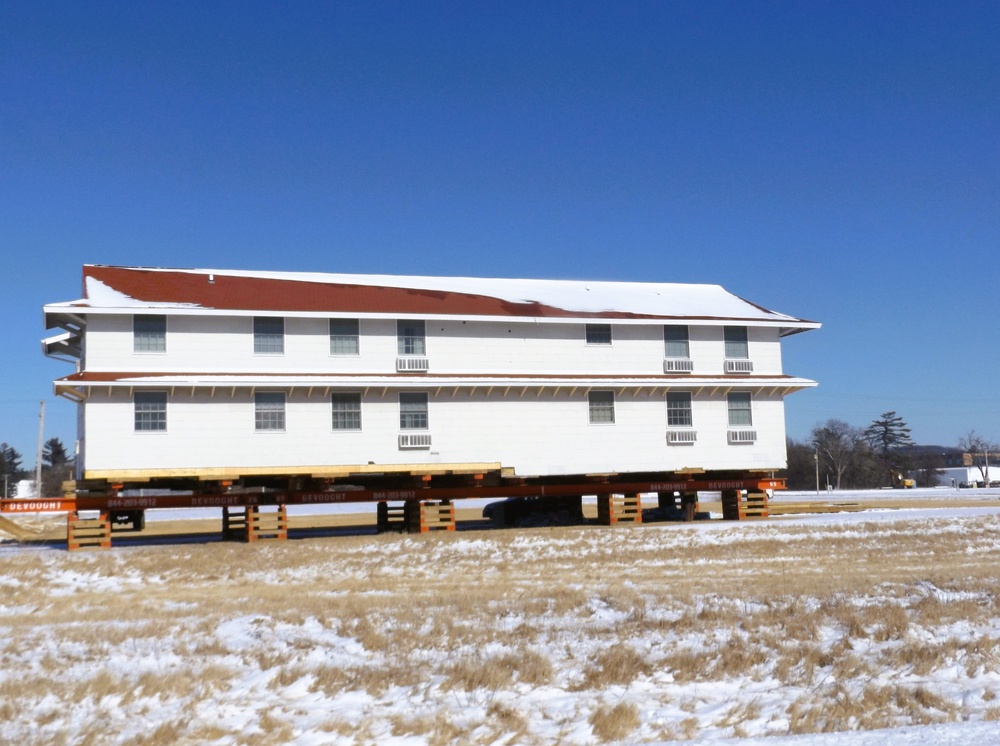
pixel 424 381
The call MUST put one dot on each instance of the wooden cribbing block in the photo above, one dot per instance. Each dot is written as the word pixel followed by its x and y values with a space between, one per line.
pixel 391 518
pixel 754 505
pixel 615 509
pixel 234 524
pixel 90 533
pixel 271 525
pixel 422 517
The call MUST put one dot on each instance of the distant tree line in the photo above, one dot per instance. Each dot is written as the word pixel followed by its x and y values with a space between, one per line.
pixel 880 455
pixel 57 467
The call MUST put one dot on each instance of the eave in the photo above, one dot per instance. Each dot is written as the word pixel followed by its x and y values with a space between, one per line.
pixel 80 383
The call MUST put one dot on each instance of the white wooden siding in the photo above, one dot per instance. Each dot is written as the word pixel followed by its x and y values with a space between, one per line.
pixel 537 433
pixel 224 344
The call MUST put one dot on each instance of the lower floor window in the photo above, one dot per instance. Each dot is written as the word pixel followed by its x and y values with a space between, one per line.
pixel 739 409
pixel 150 410
pixel 347 411
pixel 269 411
pixel 602 407
pixel 412 411
pixel 679 409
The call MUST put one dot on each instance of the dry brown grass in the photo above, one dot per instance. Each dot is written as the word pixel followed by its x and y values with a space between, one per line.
pixel 614 723
pixel 617 665
pixel 426 615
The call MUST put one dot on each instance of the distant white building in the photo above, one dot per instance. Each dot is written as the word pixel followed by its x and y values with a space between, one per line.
pixel 967 475
pixel 26 488
pixel 228 374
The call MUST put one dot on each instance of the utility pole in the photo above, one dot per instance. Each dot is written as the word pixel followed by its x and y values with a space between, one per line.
pixel 816 459
pixel 41 437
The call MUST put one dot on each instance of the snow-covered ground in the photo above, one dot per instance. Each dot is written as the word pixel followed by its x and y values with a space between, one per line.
pixel 562 709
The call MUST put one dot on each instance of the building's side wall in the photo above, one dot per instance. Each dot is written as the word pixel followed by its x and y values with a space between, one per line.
pixel 537 431
pixel 225 344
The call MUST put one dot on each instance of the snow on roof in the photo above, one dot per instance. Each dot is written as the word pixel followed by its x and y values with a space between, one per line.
pixel 109 288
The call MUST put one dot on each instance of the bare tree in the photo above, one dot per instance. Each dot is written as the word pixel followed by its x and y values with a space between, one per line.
pixel 980 452
pixel 836 442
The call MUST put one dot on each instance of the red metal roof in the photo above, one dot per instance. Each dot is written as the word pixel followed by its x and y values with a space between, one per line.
pixel 112 288
pixel 281 295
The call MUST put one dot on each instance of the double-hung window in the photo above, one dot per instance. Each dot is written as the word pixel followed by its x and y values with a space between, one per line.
pixel 739 409
pixel 268 335
pixel 269 411
pixel 150 410
pixel 346 411
pixel 675 342
pixel 344 337
pixel 602 407
pixel 598 334
pixel 149 333
pixel 736 343
pixel 679 409
pixel 411 338
pixel 412 411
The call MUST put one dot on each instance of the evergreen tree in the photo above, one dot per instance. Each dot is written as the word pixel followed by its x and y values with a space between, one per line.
pixel 887 435
pixel 10 469
pixel 54 453
pixel 57 467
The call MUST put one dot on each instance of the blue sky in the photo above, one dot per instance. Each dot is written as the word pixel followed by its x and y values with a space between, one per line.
pixel 834 161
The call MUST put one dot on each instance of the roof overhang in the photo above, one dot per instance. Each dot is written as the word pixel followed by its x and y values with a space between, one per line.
pixel 65 346
pixel 80 383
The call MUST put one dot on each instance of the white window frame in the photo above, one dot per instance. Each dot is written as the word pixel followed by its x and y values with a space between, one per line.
pixel 266 339
pixel 149 412
pixel 599 405
pixel 598 334
pixel 340 338
pixel 737 342
pixel 422 401
pixel 678 412
pixel 412 341
pixel 345 412
pixel 686 342
pixel 738 403
pixel 146 341
pixel 266 416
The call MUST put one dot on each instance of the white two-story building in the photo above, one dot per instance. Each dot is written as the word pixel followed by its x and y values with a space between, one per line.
pixel 231 374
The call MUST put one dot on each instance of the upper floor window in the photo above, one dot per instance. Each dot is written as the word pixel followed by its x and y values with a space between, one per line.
pixel 268 335
pixel 411 338
pixel 736 342
pixel 412 411
pixel 346 411
pixel 150 410
pixel 269 411
pixel 598 334
pixel 602 407
pixel 675 342
pixel 149 333
pixel 739 409
pixel 679 409
pixel 344 336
